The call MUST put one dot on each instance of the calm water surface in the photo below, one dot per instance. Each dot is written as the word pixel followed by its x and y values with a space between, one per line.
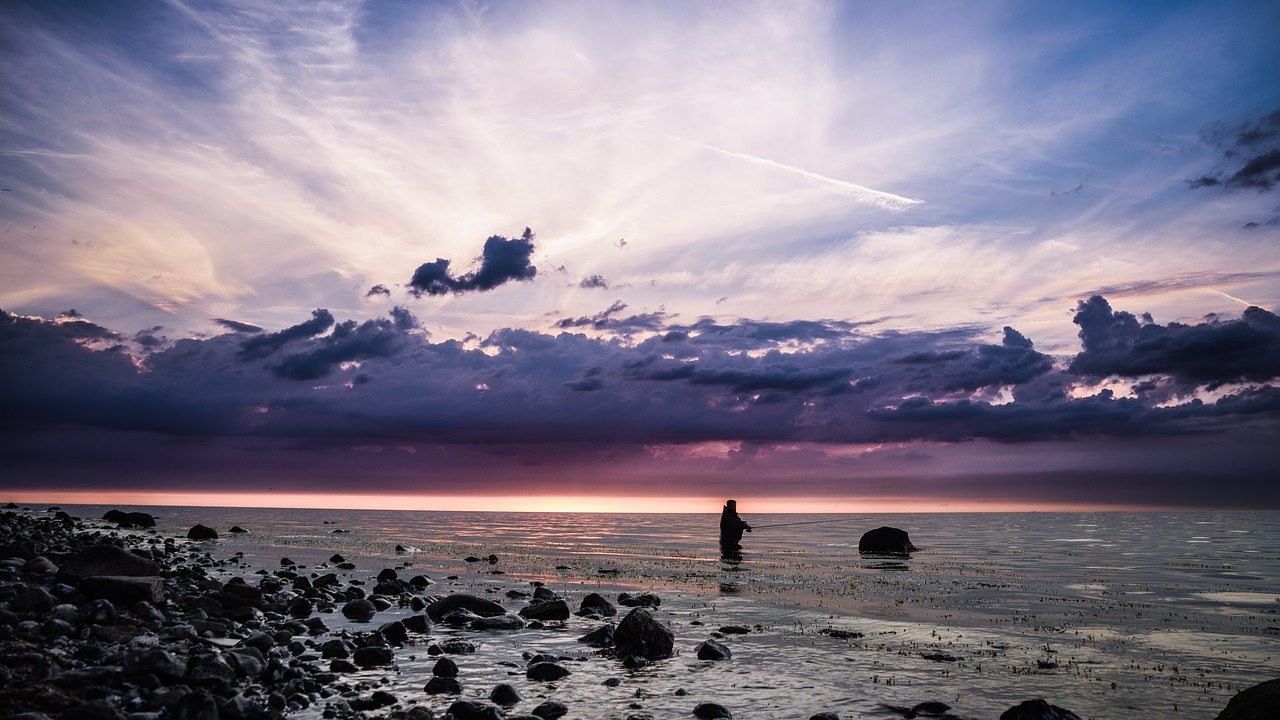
pixel 1111 615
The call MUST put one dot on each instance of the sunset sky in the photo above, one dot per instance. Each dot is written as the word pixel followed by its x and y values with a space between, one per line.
pixel 811 255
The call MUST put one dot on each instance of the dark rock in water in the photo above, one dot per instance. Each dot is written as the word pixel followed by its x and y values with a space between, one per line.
pixel 600 637
pixel 492 559
pixel 712 711
pixel 943 657
pixel 123 590
pixel 301 608
pixel 474 710
pixel 734 630
pixel 367 657
pixel 202 532
pixel 336 558
pixel 887 541
pixel 713 650
pixel 1037 710
pixel 546 610
pixel 551 709
pixel 445 667
pixel 394 632
pixel 237 529
pixel 477 605
pixel 129 519
pixel 502 622
pixel 546 671
pixel 360 609
pixel 458 646
pixel 105 560
pixel 505 694
pixel 595 604
pixel 641 634
pixel 648 600
pixel 1260 702
pixel 443 686
pixel 417 623
pixel 825 716
pixel 927 708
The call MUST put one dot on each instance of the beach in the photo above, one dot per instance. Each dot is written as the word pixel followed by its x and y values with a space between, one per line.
pixel 1092 622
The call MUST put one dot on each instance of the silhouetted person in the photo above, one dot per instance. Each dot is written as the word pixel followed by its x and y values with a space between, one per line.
pixel 731 527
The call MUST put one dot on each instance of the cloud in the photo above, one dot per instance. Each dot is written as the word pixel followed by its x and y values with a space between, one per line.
pixel 378 290
pixel 1213 352
pixel 349 343
pixel 237 326
pixel 605 320
pixel 593 281
pixel 502 260
pixel 1252 149
pixel 264 345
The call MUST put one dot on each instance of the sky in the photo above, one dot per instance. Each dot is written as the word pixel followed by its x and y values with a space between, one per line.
pixel 641 255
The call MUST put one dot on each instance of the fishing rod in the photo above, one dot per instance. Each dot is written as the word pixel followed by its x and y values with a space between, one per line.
pixel 806 522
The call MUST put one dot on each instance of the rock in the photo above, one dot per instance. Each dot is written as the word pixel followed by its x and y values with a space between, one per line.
pixel 337 558
pixel 367 657
pixel 930 707
pixel 202 532
pixel 361 610
pixel 40 565
pixel 107 560
pixel 1260 702
pixel 237 529
pixel 886 541
pixel 162 663
pixel 443 686
pixel 301 608
pixel 474 710
pixel 34 601
pixel 394 632
pixel 93 710
pixel 1037 710
pixel 546 671
pixel 734 630
pixel 551 709
pixel 502 622
pixel 505 694
pixel 825 716
pixel 445 667
pixel 600 637
pixel 198 705
pixel 546 610
pixel 477 605
pixel 712 711
pixel 641 634
pixel 648 600
pixel 596 604
pixel 123 590
pixel 713 650
pixel 130 519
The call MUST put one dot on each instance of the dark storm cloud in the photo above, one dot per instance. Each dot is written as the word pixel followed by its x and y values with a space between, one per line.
pixel 1252 150
pixel 1212 352
pixel 383 381
pixel 264 345
pixel 378 290
pixel 607 320
pixel 502 260
pixel 349 342
pixel 593 281
pixel 237 326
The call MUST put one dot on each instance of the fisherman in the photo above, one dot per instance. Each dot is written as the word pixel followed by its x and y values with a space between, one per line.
pixel 731 527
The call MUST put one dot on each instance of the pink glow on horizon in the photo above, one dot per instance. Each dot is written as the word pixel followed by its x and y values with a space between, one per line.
pixel 550 503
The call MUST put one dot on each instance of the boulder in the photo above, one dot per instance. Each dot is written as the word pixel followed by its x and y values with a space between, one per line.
pixel 360 610
pixel 505 694
pixel 641 634
pixel 886 541
pixel 550 710
pixel 546 610
pixel 474 710
pixel 546 671
pixel 105 560
pixel 714 650
pixel 478 605
pixel 648 600
pixel 130 519
pixel 595 604
pixel 712 711
pixel 443 686
pixel 123 589
pixel 1037 710
pixel 1259 702
pixel 501 622
pixel 367 657
pixel 202 532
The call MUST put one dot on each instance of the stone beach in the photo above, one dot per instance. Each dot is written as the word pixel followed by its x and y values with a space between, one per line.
pixel 108 618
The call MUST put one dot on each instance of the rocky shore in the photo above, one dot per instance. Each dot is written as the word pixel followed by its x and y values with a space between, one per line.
pixel 108 619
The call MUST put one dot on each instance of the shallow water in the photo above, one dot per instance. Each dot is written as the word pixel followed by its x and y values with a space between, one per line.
pixel 1110 615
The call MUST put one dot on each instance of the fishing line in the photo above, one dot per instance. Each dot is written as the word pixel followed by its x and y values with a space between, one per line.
pixel 806 522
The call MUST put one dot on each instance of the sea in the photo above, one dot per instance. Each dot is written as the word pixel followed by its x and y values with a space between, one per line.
pixel 1105 614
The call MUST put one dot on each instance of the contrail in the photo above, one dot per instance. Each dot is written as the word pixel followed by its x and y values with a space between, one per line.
pixel 884 200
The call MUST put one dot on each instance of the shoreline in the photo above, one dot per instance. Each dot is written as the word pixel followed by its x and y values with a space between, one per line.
pixel 668 687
